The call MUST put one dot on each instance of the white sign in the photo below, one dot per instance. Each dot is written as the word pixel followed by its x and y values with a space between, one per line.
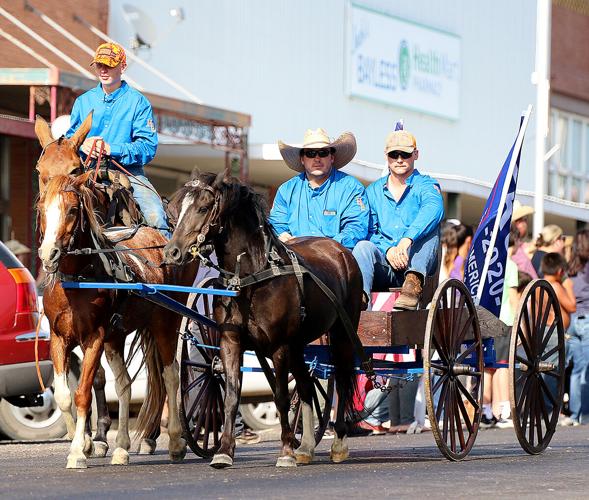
pixel 401 63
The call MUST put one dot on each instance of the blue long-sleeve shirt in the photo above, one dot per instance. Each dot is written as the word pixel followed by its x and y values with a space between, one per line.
pixel 337 209
pixel 124 119
pixel 418 212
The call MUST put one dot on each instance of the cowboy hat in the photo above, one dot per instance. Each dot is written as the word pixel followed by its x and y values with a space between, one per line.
pixel 520 211
pixel 344 145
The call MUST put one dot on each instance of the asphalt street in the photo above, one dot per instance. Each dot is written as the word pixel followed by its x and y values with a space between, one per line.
pixel 398 466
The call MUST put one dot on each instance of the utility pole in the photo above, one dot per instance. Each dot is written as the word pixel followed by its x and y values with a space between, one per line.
pixel 541 78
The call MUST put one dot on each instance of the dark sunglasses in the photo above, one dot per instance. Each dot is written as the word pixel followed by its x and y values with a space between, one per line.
pixel 322 153
pixel 395 154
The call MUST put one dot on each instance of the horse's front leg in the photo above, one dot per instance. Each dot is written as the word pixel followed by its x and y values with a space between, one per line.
pixel 60 352
pixel 114 356
pixel 282 399
pixel 231 357
pixel 83 399
pixel 103 418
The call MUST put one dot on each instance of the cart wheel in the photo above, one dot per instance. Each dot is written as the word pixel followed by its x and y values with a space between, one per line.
pixel 202 383
pixel 536 367
pixel 322 401
pixel 453 369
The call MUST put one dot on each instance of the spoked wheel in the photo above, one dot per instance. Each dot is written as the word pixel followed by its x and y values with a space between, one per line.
pixel 322 401
pixel 202 383
pixel 453 369
pixel 536 367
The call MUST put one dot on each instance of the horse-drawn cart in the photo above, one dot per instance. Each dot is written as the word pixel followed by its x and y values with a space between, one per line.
pixel 453 341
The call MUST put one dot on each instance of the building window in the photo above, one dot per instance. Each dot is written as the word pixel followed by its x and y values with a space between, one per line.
pixel 568 168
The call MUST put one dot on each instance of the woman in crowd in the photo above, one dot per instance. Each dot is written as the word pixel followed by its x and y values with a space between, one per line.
pixel 578 341
pixel 550 240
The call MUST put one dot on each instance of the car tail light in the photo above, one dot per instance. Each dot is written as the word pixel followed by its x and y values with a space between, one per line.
pixel 26 292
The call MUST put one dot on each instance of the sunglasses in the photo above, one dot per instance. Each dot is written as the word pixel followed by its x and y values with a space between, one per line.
pixel 312 153
pixel 395 154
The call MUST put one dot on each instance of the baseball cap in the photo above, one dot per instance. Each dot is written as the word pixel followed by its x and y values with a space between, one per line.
pixel 400 140
pixel 110 54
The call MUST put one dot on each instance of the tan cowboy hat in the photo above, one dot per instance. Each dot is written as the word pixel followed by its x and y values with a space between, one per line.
pixel 520 211
pixel 344 145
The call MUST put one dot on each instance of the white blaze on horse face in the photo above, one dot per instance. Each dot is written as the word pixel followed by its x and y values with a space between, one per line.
pixel 186 202
pixel 52 221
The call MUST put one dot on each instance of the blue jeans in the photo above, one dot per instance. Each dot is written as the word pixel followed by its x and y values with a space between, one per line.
pixel 378 274
pixel 398 406
pixel 578 351
pixel 150 204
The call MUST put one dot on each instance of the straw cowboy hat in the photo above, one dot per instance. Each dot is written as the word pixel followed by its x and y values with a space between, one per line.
pixel 520 211
pixel 344 145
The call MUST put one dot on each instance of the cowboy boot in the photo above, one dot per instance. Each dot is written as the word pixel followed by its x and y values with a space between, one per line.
pixel 410 292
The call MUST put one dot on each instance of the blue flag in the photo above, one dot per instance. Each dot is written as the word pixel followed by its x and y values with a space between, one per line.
pixel 484 270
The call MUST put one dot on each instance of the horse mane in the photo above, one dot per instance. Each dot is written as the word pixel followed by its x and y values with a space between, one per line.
pixel 60 183
pixel 235 198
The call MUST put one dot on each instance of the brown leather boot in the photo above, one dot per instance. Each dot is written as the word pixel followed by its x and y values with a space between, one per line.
pixel 410 292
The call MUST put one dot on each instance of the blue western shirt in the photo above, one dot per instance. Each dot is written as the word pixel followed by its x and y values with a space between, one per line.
pixel 124 119
pixel 337 209
pixel 417 214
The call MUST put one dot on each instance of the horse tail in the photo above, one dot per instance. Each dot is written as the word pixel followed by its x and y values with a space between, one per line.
pixel 343 359
pixel 148 420
pixel 343 349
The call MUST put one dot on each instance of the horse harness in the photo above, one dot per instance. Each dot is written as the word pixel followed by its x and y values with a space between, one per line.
pixel 277 267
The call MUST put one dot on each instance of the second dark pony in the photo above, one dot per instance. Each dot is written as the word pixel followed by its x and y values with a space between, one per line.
pixel 276 317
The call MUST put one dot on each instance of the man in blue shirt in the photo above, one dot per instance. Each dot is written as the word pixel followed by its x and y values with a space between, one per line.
pixel 406 209
pixel 321 200
pixel 123 122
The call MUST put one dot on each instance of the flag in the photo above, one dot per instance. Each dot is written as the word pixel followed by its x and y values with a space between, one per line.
pixel 485 267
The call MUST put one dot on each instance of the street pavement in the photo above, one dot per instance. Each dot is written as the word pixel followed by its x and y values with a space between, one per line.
pixel 400 466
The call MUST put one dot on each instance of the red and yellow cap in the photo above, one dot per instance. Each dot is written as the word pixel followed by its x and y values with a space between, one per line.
pixel 110 54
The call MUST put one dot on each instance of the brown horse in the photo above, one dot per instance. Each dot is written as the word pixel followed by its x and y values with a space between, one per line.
pixel 60 157
pixel 70 211
pixel 277 317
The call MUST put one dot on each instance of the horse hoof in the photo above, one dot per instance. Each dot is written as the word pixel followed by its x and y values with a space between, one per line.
pixel 304 458
pixel 120 457
pixel 286 461
pixel 338 457
pixel 100 449
pixel 147 447
pixel 178 456
pixel 76 463
pixel 88 446
pixel 221 461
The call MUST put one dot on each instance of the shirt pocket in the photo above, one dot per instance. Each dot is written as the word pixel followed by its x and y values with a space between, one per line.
pixel 330 222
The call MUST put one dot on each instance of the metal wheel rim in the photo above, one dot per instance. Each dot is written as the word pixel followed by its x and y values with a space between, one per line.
pixel 202 393
pixel 528 389
pixel 449 387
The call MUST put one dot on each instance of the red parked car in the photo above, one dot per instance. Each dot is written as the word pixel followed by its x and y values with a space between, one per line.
pixel 25 412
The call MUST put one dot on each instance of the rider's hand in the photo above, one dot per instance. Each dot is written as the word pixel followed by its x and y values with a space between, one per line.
pixel 87 146
pixel 398 256
pixel 284 237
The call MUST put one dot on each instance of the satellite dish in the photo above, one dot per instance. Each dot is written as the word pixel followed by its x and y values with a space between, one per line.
pixel 143 27
pixel 60 126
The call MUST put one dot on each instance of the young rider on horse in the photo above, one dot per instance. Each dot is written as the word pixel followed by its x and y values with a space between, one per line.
pixel 321 200
pixel 123 128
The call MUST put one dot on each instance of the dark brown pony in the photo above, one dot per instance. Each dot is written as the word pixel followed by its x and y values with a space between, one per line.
pixel 70 211
pixel 268 317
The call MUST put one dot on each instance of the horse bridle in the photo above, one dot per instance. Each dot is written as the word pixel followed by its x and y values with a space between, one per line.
pixel 210 222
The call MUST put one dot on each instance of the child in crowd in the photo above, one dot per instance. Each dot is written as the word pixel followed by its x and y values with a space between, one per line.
pixel 554 267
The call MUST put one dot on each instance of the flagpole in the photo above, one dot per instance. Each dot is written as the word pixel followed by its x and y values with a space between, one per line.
pixel 516 151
